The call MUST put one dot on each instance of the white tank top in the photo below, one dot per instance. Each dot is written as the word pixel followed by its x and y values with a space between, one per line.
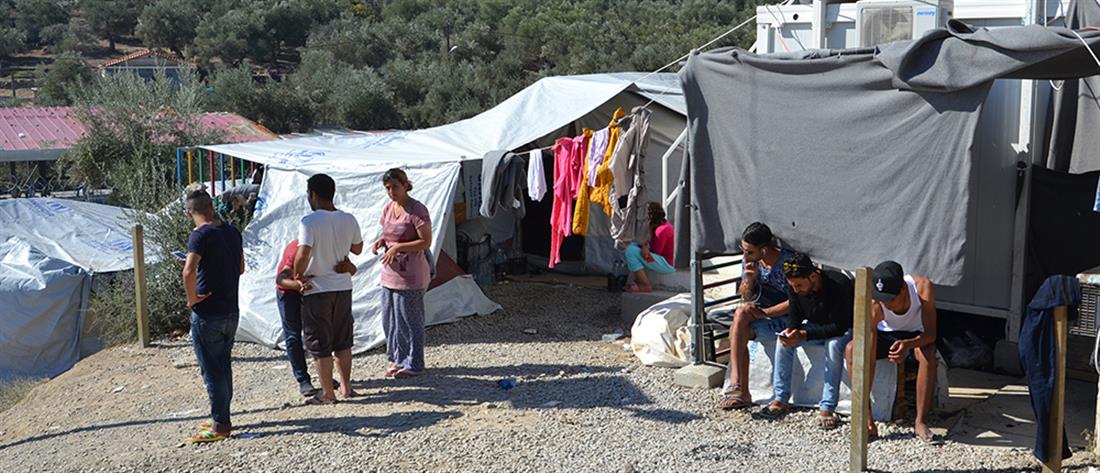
pixel 911 320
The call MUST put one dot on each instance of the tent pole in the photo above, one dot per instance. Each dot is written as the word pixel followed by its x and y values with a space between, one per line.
pixel 179 167
pixel 861 360
pixel 210 156
pixel 140 293
pixel 221 169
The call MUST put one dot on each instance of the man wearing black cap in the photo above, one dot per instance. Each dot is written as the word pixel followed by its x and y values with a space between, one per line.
pixel 821 303
pixel 905 314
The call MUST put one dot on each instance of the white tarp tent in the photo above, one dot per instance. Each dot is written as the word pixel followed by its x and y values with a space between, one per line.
pixel 434 159
pixel 49 251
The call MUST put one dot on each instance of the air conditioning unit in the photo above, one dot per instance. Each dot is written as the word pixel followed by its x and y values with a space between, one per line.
pixel 883 21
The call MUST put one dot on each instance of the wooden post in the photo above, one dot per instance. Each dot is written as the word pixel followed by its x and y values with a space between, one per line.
pixel 861 359
pixel 141 296
pixel 1057 402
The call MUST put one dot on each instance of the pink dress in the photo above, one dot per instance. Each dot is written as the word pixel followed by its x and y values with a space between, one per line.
pixel 561 216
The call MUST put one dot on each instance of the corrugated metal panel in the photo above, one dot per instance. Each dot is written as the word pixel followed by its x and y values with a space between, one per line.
pixel 43 128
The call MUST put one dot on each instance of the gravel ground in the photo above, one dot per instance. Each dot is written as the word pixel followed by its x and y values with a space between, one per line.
pixel 581 404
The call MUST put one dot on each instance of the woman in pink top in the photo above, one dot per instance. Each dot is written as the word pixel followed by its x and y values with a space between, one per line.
pixel 406 235
pixel 656 255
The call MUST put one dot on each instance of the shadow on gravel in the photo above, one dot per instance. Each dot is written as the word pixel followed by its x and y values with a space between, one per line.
pixel 359 426
pixel 131 423
pixel 537 386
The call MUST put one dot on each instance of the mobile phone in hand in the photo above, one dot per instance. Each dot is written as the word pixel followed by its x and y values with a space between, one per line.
pixel 180 255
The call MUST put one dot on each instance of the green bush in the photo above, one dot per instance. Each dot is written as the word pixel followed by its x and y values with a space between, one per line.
pixel 133 129
pixel 62 79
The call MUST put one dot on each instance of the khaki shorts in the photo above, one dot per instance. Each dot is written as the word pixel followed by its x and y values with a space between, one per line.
pixel 326 323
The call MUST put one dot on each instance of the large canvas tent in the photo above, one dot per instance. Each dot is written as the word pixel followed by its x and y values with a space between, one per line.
pixel 444 165
pixel 50 250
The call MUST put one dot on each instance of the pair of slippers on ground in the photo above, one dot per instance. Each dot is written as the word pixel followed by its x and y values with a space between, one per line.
pixel 732 399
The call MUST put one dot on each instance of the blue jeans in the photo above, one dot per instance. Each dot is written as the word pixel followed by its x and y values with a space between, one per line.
pixel 212 338
pixel 834 368
pixel 290 311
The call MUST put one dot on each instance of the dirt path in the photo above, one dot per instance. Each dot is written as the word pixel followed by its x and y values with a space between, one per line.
pixel 580 405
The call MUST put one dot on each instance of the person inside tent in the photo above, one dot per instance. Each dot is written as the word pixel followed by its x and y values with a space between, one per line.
pixel 904 310
pixel 655 255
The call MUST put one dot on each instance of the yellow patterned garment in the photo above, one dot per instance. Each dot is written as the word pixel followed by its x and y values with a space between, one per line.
pixel 601 193
pixel 580 211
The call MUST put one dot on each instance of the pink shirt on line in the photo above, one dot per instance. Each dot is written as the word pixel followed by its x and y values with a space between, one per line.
pixel 408 270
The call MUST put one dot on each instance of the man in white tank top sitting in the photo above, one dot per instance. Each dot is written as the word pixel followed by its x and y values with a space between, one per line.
pixel 904 310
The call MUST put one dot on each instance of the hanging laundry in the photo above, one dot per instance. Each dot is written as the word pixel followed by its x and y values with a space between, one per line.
pixel 536 176
pixel 601 193
pixel 561 214
pixel 630 220
pixel 1037 355
pixel 503 183
pixel 595 154
pixel 580 212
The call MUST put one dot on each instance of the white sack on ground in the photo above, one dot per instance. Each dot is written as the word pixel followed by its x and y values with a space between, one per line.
pixel 655 335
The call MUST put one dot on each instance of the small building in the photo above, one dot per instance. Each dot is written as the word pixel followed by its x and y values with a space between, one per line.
pixel 146 63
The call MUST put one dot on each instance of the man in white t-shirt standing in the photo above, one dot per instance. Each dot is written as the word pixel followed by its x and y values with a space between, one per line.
pixel 324 239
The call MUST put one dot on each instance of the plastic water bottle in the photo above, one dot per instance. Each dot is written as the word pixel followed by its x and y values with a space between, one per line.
pixel 616 281
pixel 500 263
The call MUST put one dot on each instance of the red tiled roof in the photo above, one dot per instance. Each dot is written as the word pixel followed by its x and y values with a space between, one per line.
pixel 141 53
pixel 40 128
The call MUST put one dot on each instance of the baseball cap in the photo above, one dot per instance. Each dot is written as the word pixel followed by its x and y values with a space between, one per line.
pixel 887 281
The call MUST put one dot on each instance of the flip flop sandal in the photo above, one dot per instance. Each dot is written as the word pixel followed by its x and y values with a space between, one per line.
pixel 773 411
pixel 406 373
pixel 208 425
pixel 929 439
pixel 203 436
pixel 317 401
pixel 636 289
pixel 732 399
pixel 827 422
pixel 391 371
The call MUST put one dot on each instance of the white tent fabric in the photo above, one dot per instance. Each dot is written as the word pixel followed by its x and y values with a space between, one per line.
pixel 432 158
pixel 533 113
pixel 49 251
pixel 360 193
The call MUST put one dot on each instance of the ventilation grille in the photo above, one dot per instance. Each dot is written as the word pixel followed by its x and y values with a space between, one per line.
pixel 881 25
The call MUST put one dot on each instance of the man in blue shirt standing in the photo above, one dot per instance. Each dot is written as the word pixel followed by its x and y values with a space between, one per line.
pixel 214 264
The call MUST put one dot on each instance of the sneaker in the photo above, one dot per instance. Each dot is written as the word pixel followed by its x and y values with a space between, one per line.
pixel 307 389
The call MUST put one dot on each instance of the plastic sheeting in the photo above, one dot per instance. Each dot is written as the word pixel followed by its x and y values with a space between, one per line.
pixel 49 251
pixel 656 334
pixel 282 204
